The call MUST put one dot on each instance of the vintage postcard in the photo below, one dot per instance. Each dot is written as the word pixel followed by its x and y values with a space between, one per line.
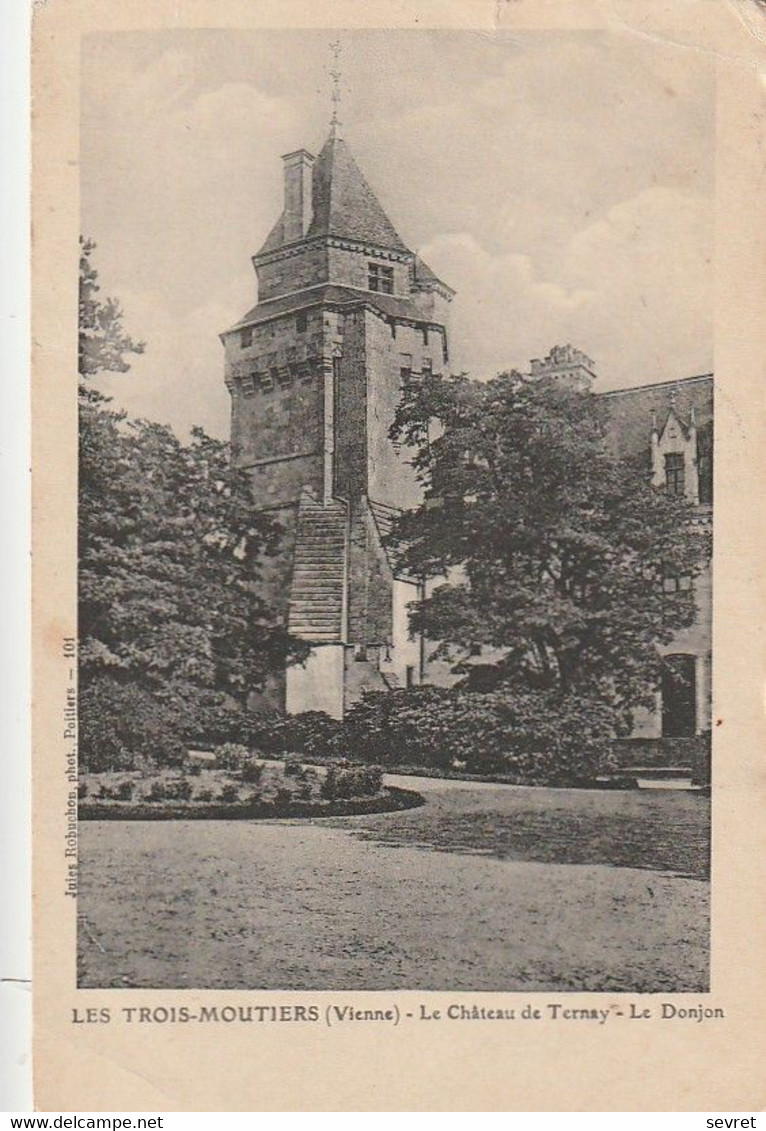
pixel 398 529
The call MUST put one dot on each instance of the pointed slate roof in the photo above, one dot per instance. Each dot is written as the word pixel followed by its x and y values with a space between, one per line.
pixel 344 205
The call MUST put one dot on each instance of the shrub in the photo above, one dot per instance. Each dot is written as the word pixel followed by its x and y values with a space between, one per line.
pixel 169 789
pixel 371 780
pixel 312 734
pixel 525 735
pixel 343 781
pixel 252 771
pixel 232 756
pixel 156 790
pixel 120 789
pixel 293 767
pixel 329 787
pixel 123 725
pixel 213 720
pixel 179 789
pixel 266 733
pixel 229 793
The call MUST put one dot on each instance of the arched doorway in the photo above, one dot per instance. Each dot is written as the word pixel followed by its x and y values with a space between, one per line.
pixel 679 696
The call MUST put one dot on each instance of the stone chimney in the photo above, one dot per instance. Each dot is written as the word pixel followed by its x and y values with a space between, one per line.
pixel 298 203
pixel 566 363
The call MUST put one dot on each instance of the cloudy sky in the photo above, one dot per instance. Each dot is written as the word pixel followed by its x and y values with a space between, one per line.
pixel 561 183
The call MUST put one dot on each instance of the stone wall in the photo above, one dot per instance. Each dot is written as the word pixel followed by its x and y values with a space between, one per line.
pixel 391 478
pixel 317 685
pixel 350 268
pixel 282 482
pixel 277 392
pixel 301 267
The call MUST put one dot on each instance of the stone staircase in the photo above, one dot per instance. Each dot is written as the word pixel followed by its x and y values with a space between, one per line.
pixel 665 763
pixel 318 589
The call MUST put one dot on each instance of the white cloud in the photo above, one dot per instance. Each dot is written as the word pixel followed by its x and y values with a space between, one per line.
pixel 633 290
pixel 560 184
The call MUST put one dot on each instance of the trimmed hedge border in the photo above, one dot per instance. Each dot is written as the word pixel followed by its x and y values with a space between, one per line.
pixel 605 781
pixel 392 800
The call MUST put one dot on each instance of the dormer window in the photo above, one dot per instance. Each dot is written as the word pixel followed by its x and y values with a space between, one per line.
pixel 246 337
pixel 675 473
pixel 381 278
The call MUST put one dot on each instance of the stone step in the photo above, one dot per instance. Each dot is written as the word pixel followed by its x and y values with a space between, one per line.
pixel 316 591
pixel 317 637
pixel 333 535
pixel 302 615
pixel 659 772
pixel 311 596
pixel 330 561
pixel 312 608
pixel 324 581
pixel 303 579
pixel 317 631
pixel 316 626
pixel 319 559
pixel 311 544
pixel 318 570
pixel 328 573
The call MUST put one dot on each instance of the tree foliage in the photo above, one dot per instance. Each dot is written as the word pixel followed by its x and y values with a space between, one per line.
pixel 102 341
pixel 545 554
pixel 170 552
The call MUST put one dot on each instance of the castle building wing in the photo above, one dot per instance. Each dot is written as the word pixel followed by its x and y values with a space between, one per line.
pixel 631 414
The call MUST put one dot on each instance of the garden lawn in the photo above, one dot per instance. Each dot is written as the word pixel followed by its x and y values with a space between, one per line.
pixel 484 888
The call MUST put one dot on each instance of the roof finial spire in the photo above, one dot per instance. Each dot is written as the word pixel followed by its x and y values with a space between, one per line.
pixel 335 74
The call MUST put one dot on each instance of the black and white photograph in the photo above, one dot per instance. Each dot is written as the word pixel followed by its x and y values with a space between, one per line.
pixel 395 511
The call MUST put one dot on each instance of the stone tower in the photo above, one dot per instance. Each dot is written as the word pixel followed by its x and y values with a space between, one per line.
pixel 566 364
pixel 346 316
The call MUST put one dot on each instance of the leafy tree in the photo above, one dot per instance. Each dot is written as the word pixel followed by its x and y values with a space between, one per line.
pixel 102 340
pixel 170 552
pixel 544 554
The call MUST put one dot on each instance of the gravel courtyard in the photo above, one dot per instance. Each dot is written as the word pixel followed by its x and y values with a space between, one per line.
pixel 484 888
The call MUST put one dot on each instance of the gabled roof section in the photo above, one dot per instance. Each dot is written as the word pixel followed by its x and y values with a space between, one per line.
pixel 343 204
pixel 426 279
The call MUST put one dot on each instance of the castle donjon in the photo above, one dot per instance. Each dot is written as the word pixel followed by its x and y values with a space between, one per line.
pixel 346 315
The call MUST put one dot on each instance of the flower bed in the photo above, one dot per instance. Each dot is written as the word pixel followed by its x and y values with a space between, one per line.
pixel 240 788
